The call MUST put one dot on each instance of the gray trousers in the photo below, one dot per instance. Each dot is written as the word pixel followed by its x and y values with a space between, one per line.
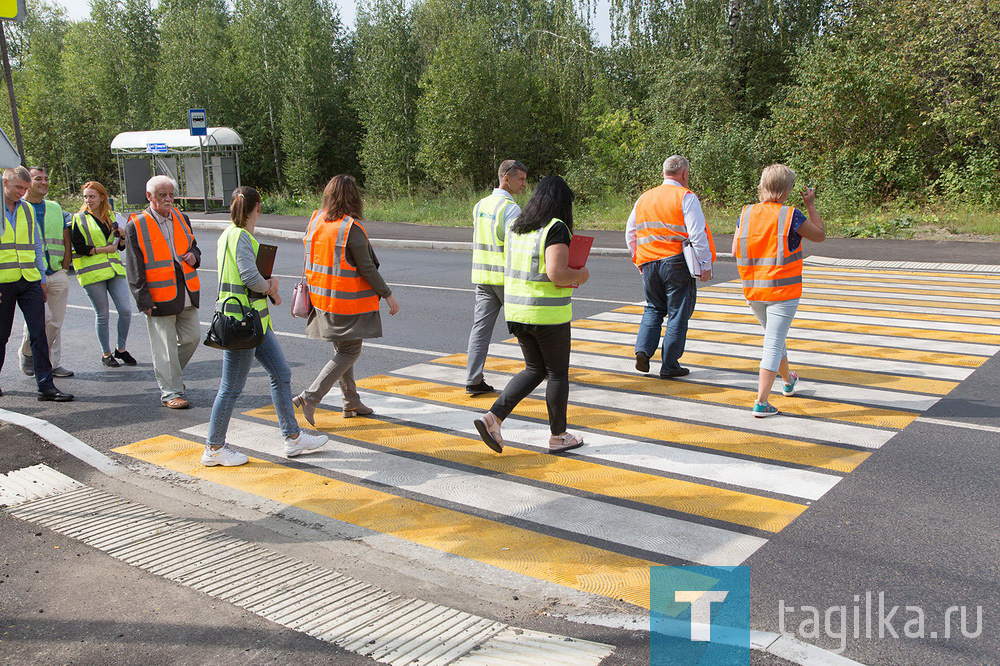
pixel 489 300
pixel 341 368
pixel 173 340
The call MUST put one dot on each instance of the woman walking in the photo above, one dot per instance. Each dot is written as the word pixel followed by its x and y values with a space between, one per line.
pixel 240 278
pixel 98 237
pixel 345 288
pixel 537 290
pixel 767 246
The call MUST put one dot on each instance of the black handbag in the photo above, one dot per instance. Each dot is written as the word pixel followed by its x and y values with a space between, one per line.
pixel 228 332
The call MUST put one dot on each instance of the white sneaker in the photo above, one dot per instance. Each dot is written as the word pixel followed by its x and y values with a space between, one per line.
pixel 224 456
pixel 304 442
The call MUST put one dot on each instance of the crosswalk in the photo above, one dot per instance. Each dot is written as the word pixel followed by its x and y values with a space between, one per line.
pixel 672 471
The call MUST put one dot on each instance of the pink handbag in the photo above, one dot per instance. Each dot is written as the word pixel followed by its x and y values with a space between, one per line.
pixel 301 303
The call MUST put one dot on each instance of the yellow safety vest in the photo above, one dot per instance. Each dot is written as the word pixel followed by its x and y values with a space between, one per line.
pixel 96 267
pixel 17 247
pixel 529 295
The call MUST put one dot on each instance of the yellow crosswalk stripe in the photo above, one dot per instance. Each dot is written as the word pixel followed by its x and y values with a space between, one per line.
pixel 843 348
pixel 819 287
pixel 870 312
pixel 851 327
pixel 635 425
pixel 523 551
pixel 683 496
pixel 801 406
pixel 974 280
pixel 951 305
pixel 740 364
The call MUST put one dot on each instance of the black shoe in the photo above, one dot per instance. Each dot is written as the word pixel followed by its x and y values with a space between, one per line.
pixel 670 374
pixel 125 357
pixel 110 361
pixel 642 361
pixel 62 372
pixel 480 388
pixel 54 395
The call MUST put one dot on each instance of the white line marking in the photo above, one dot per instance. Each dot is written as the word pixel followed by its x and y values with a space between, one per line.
pixel 820 290
pixel 808 388
pixel 634 528
pixel 928 289
pixel 646 456
pixel 670 409
pixel 959 424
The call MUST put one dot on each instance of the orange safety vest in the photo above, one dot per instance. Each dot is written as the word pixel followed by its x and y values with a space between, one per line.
pixel 334 284
pixel 769 269
pixel 161 279
pixel 660 231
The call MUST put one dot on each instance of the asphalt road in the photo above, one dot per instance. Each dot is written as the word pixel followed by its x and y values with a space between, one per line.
pixel 916 522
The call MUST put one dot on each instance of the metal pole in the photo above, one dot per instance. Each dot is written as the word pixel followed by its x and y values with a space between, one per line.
pixel 204 177
pixel 10 93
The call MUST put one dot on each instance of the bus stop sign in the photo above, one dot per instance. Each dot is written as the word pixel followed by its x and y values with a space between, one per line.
pixel 197 120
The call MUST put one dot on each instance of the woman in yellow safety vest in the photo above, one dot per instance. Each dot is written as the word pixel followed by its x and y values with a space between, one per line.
pixel 767 245
pixel 538 285
pixel 98 236
pixel 240 278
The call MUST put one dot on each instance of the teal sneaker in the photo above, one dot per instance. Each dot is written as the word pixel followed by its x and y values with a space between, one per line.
pixel 788 388
pixel 760 411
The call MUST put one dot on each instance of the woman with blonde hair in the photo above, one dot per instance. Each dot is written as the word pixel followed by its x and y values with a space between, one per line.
pixel 98 236
pixel 240 279
pixel 767 246
pixel 345 289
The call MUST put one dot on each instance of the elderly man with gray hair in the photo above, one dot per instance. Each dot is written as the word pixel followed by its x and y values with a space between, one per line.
pixel 161 263
pixel 663 222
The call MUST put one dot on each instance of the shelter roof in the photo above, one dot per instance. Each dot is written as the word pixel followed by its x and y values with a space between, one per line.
pixel 181 138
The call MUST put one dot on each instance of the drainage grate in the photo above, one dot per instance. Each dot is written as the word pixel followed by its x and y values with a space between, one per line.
pixel 322 603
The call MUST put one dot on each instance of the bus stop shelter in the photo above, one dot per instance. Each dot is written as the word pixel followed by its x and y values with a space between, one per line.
pixel 206 168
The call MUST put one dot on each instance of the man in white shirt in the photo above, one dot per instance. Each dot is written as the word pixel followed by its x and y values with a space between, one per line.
pixel 491 218
pixel 663 221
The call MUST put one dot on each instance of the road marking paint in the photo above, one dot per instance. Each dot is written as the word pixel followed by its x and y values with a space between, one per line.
pixel 672 402
pixel 622 345
pixel 959 424
pixel 876 272
pixel 522 551
pixel 825 291
pixel 904 276
pixel 529 435
pixel 781 449
pixel 548 508
pixel 942 290
pixel 621 376
pixel 749 335
pixel 837 361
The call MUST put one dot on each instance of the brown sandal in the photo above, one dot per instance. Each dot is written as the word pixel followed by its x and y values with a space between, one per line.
pixel 564 442
pixel 489 429
pixel 176 403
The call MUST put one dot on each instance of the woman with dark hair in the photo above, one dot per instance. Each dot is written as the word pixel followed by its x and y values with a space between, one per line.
pixel 538 286
pixel 240 278
pixel 345 288
pixel 98 236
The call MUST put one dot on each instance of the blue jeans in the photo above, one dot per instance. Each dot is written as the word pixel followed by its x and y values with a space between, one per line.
pixel 776 318
pixel 235 368
pixel 117 288
pixel 671 292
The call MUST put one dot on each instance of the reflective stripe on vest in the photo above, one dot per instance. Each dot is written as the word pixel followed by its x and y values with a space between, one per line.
pixel 230 283
pixel 96 267
pixel 487 248
pixel 769 270
pixel 161 279
pixel 17 247
pixel 529 295
pixel 334 284
pixel 54 225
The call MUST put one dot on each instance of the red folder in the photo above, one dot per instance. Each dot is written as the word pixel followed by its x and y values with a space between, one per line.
pixel 579 250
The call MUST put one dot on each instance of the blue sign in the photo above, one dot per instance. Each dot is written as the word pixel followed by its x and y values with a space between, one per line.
pixel 198 122
pixel 699 615
pixel 156 147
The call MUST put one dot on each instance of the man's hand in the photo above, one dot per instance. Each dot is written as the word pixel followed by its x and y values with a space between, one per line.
pixel 149 312
pixel 393 304
pixel 45 293
pixel 189 258
pixel 706 275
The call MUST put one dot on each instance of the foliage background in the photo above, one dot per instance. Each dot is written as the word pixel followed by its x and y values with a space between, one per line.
pixel 883 104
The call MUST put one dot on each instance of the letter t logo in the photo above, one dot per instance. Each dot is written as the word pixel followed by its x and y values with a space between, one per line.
pixel 701 610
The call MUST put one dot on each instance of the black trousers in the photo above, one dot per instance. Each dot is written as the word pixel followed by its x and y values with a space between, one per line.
pixel 546 356
pixel 27 296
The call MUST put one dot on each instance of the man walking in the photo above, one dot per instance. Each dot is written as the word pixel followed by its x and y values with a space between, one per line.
pixel 55 233
pixel 22 280
pixel 161 261
pixel 491 218
pixel 663 221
